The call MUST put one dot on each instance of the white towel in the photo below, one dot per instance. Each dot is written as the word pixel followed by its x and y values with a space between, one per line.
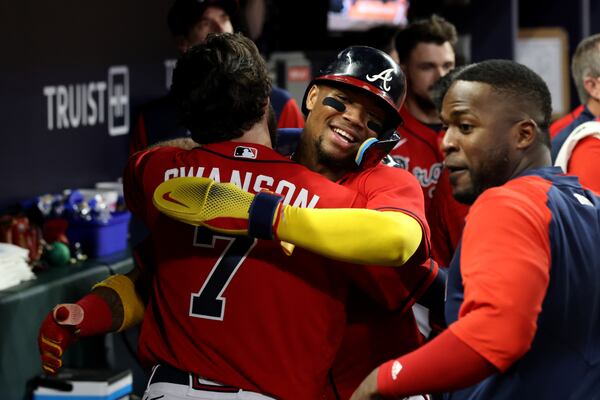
pixel 591 128
pixel 14 268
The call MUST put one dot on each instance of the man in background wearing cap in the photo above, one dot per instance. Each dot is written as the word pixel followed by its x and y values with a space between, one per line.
pixel 190 21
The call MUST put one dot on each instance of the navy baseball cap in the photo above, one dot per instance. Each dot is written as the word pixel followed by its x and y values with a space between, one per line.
pixel 184 14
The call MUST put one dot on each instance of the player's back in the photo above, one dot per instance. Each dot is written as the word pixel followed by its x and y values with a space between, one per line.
pixel 569 322
pixel 233 309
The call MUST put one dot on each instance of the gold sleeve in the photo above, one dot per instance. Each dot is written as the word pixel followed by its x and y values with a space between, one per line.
pixel 133 306
pixel 352 234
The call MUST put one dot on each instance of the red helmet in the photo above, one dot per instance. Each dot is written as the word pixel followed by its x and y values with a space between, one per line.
pixel 371 70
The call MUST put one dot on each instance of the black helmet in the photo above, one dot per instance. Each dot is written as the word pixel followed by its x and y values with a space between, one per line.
pixel 371 70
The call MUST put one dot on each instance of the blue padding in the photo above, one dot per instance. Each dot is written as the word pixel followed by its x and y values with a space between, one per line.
pixel 261 213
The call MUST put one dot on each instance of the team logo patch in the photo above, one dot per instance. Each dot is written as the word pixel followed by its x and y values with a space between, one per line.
pixel 245 152
pixel 118 100
pixel 385 76
pixel 396 368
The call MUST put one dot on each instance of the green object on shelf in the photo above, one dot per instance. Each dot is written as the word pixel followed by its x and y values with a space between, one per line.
pixel 57 254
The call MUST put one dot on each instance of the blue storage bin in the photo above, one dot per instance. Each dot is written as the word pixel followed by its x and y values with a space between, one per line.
pixel 99 238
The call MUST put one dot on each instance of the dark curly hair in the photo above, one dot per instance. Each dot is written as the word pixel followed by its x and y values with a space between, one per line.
pixel 221 87
pixel 434 29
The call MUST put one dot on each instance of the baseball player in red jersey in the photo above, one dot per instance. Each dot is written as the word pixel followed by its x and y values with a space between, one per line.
pixel 374 332
pixel 359 82
pixel 229 316
pixel 426 51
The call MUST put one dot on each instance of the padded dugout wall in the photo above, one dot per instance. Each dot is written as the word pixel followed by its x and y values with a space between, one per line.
pixel 72 74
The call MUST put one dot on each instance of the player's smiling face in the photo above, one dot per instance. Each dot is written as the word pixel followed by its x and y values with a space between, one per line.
pixel 339 121
pixel 478 140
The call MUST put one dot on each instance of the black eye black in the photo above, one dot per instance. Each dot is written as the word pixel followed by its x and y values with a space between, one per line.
pixel 375 127
pixel 334 103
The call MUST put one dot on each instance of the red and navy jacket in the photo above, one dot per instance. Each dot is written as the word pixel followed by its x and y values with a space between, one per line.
pixel 563 122
pixel 552 245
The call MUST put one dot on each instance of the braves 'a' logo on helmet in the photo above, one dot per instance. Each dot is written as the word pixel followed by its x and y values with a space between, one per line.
pixel 386 76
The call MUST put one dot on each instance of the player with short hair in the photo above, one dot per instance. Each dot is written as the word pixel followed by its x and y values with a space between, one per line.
pixel 233 317
pixel 522 292
pixel 426 51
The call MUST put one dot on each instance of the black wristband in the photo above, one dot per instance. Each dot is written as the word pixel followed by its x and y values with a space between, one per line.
pixel 261 213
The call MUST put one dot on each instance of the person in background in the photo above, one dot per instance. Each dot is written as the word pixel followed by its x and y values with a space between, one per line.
pixel 426 51
pixel 227 315
pixel 585 72
pixel 522 289
pixel 576 151
pixel 190 21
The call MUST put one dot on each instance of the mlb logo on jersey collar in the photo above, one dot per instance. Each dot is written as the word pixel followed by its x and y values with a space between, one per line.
pixel 245 152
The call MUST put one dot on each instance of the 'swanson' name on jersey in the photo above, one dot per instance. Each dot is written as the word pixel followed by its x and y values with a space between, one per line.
pixel 252 183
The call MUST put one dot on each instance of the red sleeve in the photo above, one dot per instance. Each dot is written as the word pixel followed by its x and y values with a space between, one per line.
pixel 395 189
pixel 584 163
pixel 443 365
pixel 291 116
pixel 505 268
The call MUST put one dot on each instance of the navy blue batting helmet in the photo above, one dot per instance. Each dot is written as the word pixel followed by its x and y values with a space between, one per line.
pixel 371 70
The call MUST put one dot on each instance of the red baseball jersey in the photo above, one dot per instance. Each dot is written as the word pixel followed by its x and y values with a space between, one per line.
pixel 379 331
pixel 418 152
pixel 234 309
pixel 446 218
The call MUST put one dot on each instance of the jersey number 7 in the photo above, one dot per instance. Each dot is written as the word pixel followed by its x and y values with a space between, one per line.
pixel 209 302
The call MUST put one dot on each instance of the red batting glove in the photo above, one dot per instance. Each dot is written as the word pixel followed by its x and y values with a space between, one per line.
pixel 66 322
pixel 58 331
